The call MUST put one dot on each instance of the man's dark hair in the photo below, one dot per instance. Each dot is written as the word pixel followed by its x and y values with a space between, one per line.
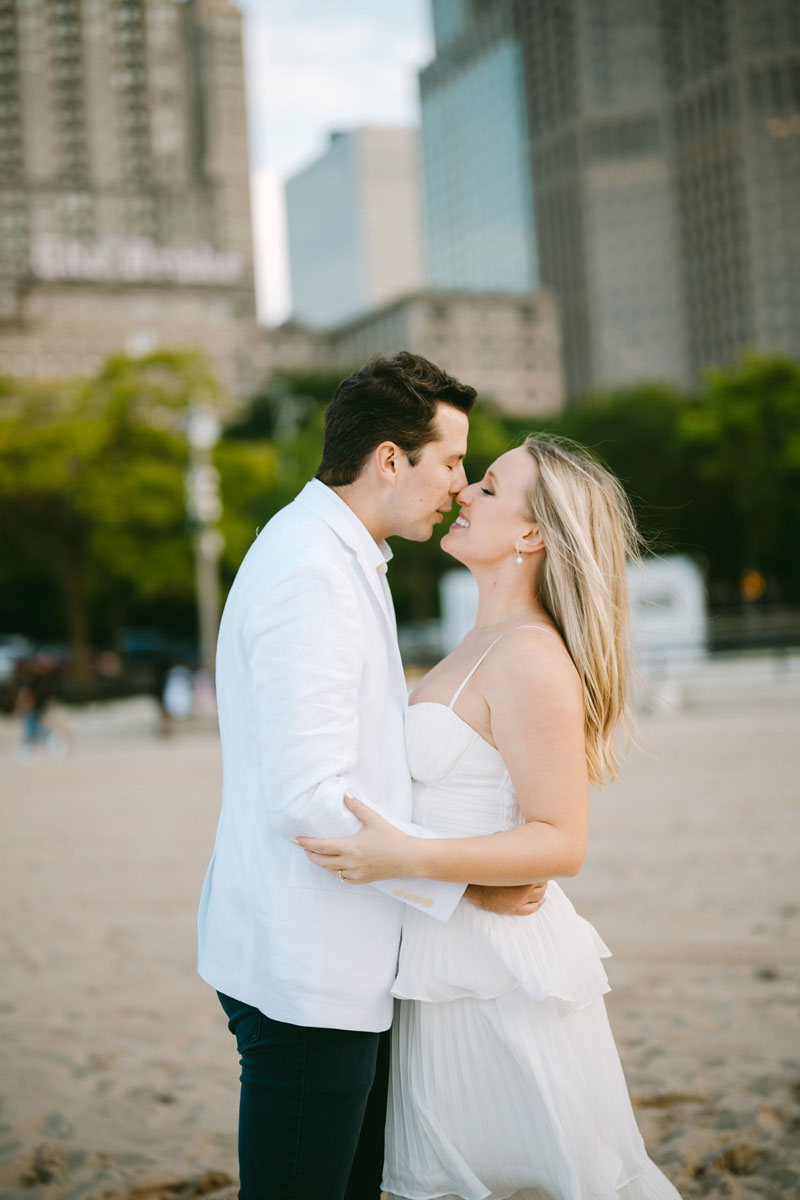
pixel 387 400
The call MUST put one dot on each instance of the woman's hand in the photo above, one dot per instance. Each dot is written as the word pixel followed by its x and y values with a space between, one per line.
pixel 377 851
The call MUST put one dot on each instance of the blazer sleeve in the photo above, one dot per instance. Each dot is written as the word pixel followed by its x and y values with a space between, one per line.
pixel 305 659
pixel 305 656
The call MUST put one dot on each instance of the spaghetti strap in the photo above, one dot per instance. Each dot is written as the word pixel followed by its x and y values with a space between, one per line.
pixel 464 682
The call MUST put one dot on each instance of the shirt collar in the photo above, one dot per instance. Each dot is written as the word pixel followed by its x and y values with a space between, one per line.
pixel 332 508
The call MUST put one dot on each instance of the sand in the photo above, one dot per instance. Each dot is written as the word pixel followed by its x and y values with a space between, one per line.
pixel 118 1077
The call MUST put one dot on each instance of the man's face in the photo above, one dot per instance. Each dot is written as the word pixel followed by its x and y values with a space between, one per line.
pixel 425 492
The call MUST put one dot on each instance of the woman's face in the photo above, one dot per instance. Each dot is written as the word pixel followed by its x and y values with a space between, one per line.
pixel 492 520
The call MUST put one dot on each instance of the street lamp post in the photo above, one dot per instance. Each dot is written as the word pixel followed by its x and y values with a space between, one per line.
pixel 205 508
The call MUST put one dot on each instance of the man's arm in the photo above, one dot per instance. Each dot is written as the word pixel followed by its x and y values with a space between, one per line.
pixel 306 654
pixel 305 663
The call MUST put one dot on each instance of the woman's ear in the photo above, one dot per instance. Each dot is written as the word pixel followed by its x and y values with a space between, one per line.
pixel 532 541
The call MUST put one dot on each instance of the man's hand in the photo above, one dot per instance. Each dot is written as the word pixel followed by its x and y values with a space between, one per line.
pixel 518 901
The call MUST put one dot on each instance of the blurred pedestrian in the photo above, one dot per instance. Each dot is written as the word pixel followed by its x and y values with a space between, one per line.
pixel 178 698
pixel 161 669
pixel 38 686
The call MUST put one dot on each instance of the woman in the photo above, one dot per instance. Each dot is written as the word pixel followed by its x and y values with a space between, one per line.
pixel 505 1078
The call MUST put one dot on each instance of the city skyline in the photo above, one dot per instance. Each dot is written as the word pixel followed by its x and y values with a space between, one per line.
pixel 311 70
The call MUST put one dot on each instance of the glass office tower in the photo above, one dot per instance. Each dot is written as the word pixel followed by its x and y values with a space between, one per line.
pixel 662 169
pixel 354 225
pixel 477 194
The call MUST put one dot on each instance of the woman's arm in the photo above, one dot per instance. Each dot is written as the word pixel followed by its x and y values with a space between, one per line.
pixel 536 710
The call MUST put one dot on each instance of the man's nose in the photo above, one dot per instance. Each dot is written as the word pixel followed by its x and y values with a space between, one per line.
pixel 463 494
pixel 459 481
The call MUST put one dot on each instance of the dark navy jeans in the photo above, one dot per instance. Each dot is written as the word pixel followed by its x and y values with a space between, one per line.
pixel 311 1110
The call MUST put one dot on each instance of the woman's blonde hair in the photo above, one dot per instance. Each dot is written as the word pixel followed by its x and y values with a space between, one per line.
pixel 589 533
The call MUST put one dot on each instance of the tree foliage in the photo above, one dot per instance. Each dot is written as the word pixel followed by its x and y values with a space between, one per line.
pixel 92 492
pixel 743 439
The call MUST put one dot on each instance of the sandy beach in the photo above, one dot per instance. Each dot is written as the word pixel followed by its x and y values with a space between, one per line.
pixel 118 1077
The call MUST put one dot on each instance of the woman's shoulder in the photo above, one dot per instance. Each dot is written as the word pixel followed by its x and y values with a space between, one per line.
pixel 533 660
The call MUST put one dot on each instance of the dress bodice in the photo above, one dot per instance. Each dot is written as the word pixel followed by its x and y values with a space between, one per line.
pixel 461 785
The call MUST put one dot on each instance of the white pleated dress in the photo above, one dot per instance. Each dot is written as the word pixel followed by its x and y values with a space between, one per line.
pixel 505 1078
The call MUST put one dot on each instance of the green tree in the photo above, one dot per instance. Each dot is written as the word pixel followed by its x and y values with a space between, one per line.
pixel 92 489
pixel 742 435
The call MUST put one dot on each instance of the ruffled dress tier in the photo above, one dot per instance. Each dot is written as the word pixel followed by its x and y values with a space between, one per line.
pixel 505 1078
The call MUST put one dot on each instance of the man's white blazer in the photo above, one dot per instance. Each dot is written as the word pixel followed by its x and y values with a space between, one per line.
pixel 312 703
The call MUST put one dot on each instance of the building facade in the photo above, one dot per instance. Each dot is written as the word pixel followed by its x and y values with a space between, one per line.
pixel 664 160
pixel 665 143
pixel 504 344
pixel 732 72
pixel 124 182
pixel 477 193
pixel 607 225
pixel 353 218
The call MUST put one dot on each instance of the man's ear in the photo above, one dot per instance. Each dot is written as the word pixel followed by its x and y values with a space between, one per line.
pixel 386 462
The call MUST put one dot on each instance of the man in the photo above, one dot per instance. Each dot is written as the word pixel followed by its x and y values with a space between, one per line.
pixel 312 699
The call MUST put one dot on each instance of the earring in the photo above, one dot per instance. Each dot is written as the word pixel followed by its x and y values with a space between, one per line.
pixel 518 559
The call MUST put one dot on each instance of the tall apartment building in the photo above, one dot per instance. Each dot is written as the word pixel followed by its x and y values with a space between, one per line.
pixel 664 156
pixel 478 203
pixel 732 75
pixel 607 224
pixel 124 181
pixel 354 225
pixel 665 144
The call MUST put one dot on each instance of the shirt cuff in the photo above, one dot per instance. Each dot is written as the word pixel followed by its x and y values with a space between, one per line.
pixel 435 897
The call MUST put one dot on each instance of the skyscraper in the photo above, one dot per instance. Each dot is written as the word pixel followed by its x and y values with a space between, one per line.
pixel 667 167
pixel 478 204
pixel 732 73
pixel 124 180
pixel 664 160
pixel 600 152
pixel 354 225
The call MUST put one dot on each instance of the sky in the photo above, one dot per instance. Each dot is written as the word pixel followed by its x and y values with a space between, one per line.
pixel 313 66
